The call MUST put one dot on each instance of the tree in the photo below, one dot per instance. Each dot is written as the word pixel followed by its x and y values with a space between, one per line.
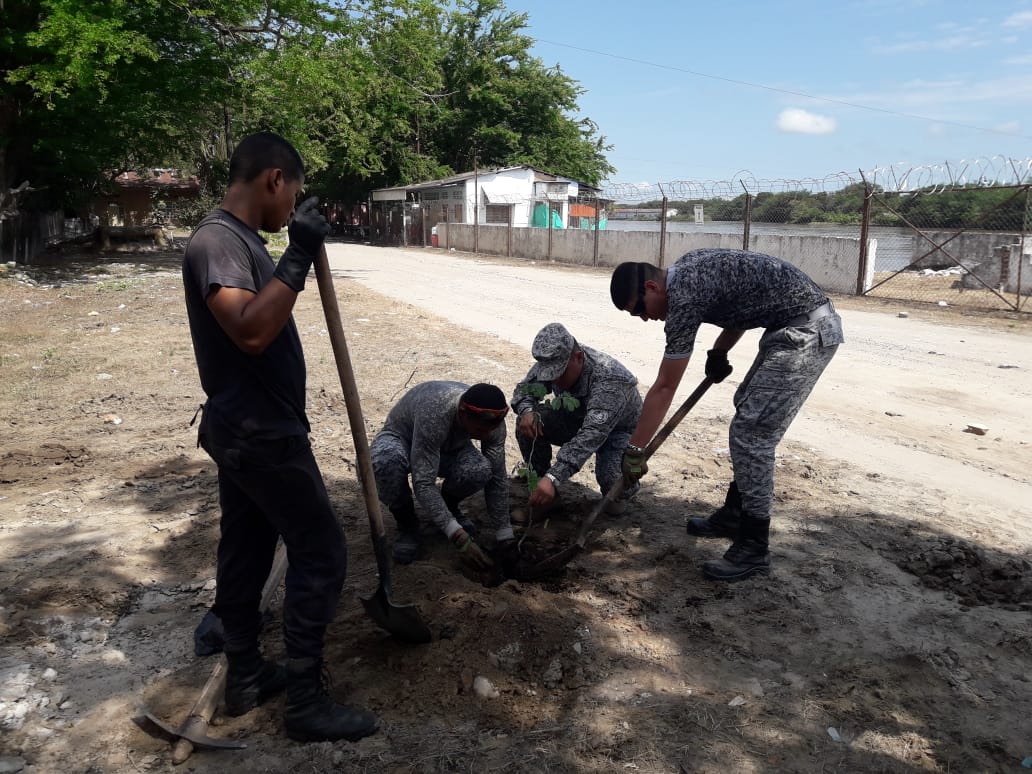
pixel 372 92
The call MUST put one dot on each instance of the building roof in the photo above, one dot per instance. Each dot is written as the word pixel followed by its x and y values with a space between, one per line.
pixel 539 175
pixel 158 178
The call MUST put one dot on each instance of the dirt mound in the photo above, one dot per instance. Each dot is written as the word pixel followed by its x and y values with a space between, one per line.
pixel 978 576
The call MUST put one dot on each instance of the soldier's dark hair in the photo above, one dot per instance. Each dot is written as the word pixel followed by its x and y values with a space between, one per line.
pixel 629 279
pixel 484 396
pixel 264 150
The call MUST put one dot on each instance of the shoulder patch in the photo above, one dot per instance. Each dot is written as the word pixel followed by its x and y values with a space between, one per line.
pixel 598 416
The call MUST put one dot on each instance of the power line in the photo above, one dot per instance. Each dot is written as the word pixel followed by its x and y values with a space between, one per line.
pixel 785 91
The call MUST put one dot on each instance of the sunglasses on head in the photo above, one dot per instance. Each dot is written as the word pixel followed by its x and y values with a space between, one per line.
pixel 485 415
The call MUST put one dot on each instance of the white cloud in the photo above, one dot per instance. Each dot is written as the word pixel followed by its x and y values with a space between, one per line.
pixel 799 121
pixel 1025 59
pixel 948 43
pixel 1020 19
pixel 1009 127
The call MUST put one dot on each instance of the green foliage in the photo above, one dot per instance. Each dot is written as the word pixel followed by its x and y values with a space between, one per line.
pixel 561 400
pixel 372 92
pixel 990 208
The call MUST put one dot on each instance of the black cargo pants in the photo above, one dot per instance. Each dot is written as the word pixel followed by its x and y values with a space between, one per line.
pixel 270 488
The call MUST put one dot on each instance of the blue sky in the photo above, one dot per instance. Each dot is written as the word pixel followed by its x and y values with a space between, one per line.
pixel 793 90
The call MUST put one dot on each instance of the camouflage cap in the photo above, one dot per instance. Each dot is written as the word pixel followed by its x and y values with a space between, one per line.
pixel 552 349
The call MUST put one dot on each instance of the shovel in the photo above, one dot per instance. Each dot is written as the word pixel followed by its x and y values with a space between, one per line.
pixel 552 564
pixel 403 621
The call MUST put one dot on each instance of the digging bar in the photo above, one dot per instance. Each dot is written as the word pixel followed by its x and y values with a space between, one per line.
pixel 194 731
pixel 403 621
pixel 554 563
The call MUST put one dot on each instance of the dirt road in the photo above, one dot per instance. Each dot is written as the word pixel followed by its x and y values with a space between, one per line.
pixel 893 636
pixel 896 401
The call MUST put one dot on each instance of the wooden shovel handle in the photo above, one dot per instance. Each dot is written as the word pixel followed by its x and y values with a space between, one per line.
pixel 347 382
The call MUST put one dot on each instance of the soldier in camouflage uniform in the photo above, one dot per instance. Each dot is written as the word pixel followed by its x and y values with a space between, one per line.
pixel 599 420
pixel 736 291
pixel 428 434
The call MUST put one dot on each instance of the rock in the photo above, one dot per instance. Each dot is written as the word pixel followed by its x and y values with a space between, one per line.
pixel 483 688
pixel 554 673
pixel 11 765
pixel 1006 365
pixel 976 429
pixel 50 674
pixel 903 314
pixel 738 701
pixel 112 419
pixel 943 303
pixel 834 734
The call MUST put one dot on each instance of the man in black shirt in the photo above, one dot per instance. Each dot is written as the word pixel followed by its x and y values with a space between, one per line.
pixel 252 369
pixel 736 291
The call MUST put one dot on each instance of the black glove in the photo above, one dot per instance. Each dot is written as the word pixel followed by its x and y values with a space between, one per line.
pixel 307 230
pixel 717 366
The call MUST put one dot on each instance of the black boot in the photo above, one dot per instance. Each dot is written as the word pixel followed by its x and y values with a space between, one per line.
pixel 724 522
pixel 747 556
pixel 312 715
pixel 250 680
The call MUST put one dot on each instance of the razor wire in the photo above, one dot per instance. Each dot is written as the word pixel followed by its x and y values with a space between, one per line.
pixel 980 172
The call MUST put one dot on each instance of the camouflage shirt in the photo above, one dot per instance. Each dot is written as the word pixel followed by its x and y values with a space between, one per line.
pixel 425 419
pixel 732 289
pixel 609 400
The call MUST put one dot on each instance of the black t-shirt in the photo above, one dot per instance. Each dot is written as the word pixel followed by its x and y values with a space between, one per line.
pixel 252 396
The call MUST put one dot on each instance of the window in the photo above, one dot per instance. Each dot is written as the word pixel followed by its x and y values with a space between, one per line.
pixel 497 213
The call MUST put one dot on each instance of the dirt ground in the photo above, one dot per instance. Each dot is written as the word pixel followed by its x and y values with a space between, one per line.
pixel 893 636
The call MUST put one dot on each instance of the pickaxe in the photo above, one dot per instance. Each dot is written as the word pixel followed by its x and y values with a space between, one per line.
pixel 194 730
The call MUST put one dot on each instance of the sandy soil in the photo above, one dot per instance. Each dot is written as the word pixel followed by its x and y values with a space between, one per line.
pixel 893 636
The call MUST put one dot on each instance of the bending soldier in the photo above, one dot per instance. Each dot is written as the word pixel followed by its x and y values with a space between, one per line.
pixel 736 291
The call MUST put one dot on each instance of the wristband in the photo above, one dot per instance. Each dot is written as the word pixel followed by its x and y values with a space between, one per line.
pixel 634 451
pixel 553 479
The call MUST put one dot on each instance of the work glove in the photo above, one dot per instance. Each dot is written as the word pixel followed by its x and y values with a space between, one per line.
pixel 717 366
pixel 307 230
pixel 633 466
pixel 470 553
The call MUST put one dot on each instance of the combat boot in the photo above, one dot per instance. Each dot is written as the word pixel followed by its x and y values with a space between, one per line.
pixel 312 715
pixel 250 680
pixel 747 556
pixel 725 520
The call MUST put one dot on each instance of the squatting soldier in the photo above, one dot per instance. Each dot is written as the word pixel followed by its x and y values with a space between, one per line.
pixel 428 434
pixel 599 420
pixel 736 291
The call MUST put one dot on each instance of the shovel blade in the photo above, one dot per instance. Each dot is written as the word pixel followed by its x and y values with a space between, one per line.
pixel 403 621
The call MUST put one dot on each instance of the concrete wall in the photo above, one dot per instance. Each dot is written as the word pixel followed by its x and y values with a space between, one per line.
pixel 832 262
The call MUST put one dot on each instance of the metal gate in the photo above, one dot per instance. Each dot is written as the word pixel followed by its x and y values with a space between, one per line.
pixel 951 246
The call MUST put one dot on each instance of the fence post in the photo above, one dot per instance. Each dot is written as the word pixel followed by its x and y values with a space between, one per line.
pixel 662 232
pixel 548 213
pixel 594 249
pixel 865 222
pixel 746 220
pixel 1018 298
pixel 508 232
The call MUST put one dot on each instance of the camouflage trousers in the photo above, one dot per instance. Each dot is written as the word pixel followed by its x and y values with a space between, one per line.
pixel 465 472
pixel 560 428
pixel 789 363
